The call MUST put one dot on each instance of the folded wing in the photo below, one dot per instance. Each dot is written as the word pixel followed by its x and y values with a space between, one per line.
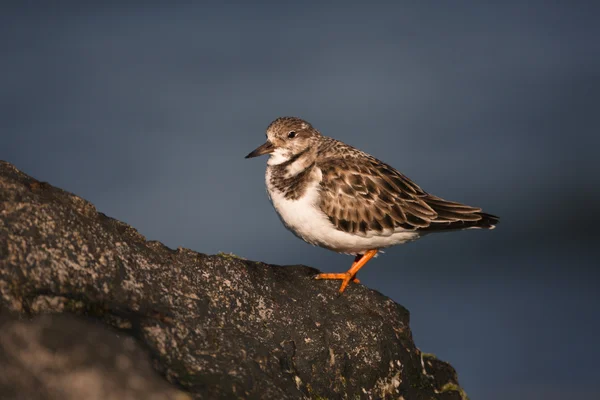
pixel 366 197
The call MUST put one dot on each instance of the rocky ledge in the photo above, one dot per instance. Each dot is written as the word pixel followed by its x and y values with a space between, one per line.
pixel 141 320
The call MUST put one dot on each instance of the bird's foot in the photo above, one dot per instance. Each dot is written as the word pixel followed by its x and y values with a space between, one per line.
pixel 345 277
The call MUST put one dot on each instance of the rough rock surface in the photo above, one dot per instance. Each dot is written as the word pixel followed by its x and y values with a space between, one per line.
pixel 60 356
pixel 216 326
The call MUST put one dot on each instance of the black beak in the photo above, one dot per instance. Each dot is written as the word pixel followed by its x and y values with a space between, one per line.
pixel 263 149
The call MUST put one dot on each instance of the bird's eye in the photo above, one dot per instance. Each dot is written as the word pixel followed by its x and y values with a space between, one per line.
pixel 292 134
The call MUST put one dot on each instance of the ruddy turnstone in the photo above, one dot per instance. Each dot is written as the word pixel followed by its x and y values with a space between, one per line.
pixel 335 196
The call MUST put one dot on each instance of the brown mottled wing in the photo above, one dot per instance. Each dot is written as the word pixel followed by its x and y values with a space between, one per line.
pixel 364 196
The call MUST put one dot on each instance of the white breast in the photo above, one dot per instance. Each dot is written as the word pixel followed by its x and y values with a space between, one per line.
pixel 306 220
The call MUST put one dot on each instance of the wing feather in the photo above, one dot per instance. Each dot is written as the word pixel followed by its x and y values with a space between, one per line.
pixel 364 196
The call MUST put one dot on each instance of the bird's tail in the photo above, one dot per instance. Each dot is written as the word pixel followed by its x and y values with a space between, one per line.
pixel 487 221
pixel 456 216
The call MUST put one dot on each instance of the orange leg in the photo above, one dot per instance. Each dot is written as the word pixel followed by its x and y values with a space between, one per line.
pixel 350 275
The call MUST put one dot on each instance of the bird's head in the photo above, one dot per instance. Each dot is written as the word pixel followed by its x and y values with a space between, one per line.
pixel 286 137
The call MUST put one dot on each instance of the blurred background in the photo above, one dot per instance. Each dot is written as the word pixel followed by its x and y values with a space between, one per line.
pixel 147 110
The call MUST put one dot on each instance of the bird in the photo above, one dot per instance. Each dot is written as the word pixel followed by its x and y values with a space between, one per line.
pixel 338 197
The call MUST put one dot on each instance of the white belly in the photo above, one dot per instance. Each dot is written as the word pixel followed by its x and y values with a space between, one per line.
pixel 306 220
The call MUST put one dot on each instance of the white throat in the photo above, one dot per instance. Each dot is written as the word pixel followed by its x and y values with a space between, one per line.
pixel 298 165
pixel 279 156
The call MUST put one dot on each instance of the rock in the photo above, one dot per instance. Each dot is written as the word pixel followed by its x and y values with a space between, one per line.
pixel 61 356
pixel 217 326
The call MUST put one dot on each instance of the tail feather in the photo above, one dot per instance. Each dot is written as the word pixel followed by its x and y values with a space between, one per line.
pixel 487 221
pixel 456 216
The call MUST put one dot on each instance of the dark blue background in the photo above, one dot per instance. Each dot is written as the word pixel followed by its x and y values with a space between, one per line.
pixel 147 110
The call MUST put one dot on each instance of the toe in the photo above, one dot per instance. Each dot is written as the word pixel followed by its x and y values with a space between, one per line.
pixel 345 283
pixel 330 276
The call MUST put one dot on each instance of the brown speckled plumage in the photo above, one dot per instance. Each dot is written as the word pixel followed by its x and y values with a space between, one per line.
pixel 363 195
pixel 292 187
pixel 335 196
